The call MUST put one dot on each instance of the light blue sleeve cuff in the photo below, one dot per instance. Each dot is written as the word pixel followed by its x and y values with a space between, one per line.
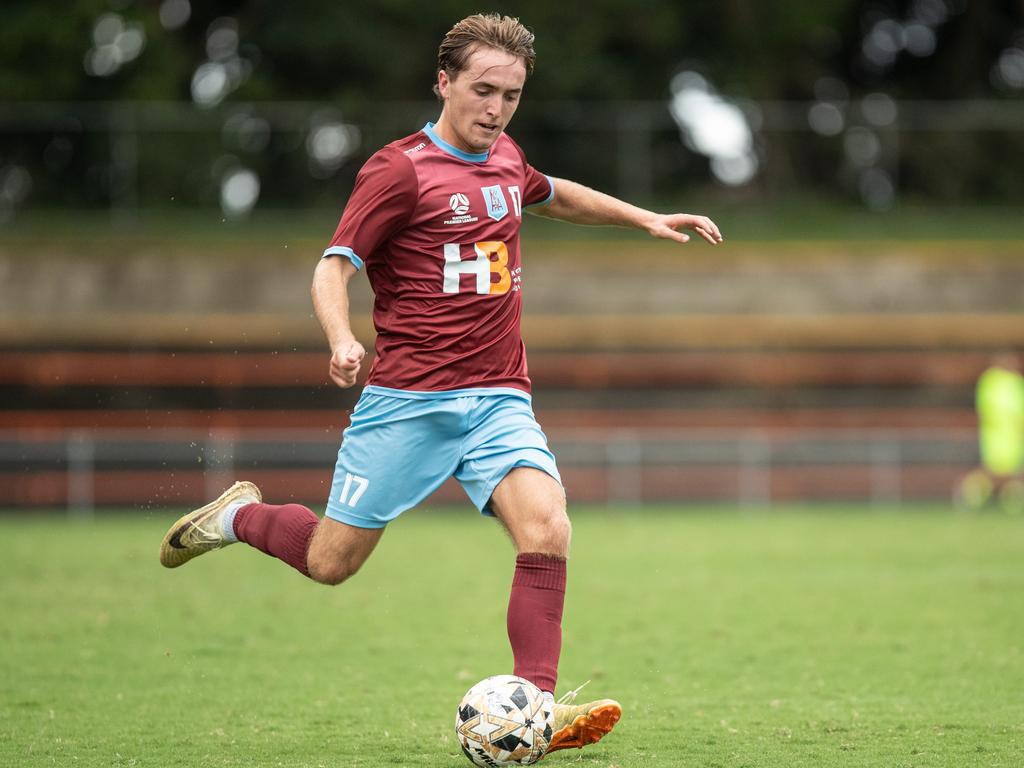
pixel 551 195
pixel 344 250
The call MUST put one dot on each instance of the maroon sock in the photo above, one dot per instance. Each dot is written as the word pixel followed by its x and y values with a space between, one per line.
pixel 535 617
pixel 282 531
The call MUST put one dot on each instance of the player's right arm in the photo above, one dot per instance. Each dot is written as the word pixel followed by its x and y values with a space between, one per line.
pixel 330 301
pixel 381 203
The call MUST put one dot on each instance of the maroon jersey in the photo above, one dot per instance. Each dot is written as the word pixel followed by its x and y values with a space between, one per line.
pixel 438 231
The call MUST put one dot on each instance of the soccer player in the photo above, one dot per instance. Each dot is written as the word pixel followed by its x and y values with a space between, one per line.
pixel 434 220
pixel 999 401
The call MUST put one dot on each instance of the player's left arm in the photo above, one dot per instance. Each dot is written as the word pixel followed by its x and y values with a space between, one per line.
pixel 581 205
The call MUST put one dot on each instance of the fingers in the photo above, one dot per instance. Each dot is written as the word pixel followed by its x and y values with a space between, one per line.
pixel 713 231
pixel 679 237
pixel 345 364
pixel 706 228
pixel 708 235
pixel 702 225
pixel 344 377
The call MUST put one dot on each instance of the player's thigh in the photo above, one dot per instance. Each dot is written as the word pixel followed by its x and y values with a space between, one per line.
pixel 530 503
pixel 394 454
pixel 339 550
pixel 503 435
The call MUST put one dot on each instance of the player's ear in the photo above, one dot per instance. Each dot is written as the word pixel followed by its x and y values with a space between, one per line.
pixel 443 84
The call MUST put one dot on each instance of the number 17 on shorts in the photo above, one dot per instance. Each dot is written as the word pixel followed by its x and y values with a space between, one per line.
pixel 352 489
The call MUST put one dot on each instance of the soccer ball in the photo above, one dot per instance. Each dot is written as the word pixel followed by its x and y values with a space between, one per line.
pixel 504 720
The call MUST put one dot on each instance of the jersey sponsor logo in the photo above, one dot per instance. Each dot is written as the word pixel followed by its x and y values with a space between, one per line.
pixel 488 267
pixel 494 200
pixel 417 148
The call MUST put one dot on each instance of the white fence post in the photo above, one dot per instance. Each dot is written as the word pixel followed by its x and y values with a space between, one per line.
pixel 755 480
pixel 220 463
pixel 886 470
pixel 81 455
pixel 625 465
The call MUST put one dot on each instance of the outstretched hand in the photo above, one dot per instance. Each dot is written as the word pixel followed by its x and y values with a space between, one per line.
pixel 668 225
pixel 345 362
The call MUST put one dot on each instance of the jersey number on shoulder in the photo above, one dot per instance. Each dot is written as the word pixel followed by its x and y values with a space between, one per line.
pixel 489 266
pixel 353 489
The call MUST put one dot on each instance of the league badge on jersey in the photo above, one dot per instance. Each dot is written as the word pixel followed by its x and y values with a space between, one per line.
pixel 459 203
pixel 494 200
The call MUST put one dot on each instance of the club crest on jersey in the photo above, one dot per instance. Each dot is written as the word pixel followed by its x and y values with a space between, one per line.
pixel 494 200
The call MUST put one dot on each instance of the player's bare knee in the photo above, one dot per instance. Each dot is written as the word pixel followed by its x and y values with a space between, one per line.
pixel 565 531
pixel 548 533
pixel 559 534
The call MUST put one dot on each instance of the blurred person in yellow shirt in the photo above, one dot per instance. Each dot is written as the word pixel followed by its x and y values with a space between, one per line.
pixel 999 401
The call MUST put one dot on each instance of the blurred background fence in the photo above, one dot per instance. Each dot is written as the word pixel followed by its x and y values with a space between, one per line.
pixel 128 156
pixel 82 468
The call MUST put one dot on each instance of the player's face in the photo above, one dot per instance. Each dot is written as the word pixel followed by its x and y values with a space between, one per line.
pixel 481 99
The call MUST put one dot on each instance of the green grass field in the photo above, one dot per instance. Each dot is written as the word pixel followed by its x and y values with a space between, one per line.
pixel 787 638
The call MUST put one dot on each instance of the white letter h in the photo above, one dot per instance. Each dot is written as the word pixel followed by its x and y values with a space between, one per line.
pixel 454 266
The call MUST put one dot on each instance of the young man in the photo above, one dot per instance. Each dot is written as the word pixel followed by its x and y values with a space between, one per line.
pixel 434 218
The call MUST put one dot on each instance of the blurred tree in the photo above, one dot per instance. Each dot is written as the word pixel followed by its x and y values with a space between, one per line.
pixel 357 55
pixel 323 49
pixel 927 49
pixel 42 46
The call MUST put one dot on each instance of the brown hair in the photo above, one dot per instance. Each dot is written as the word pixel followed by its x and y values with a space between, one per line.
pixel 489 30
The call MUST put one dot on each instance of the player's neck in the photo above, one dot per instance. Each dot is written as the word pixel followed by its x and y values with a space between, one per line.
pixel 444 131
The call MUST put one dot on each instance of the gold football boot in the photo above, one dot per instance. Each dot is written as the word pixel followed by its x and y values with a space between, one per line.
pixel 199 531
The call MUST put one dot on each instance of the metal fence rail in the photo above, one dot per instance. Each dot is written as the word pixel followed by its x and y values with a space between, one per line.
pixel 129 156
pixel 84 469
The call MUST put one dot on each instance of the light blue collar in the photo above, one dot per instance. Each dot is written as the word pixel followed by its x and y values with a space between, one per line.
pixel 454 151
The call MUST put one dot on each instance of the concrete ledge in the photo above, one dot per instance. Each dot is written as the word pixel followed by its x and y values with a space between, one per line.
pixel 142 330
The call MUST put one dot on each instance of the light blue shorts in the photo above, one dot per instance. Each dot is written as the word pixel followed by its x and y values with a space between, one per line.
pixel 400 446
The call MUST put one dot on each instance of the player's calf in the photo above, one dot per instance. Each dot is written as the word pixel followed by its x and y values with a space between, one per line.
pixel 338 550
